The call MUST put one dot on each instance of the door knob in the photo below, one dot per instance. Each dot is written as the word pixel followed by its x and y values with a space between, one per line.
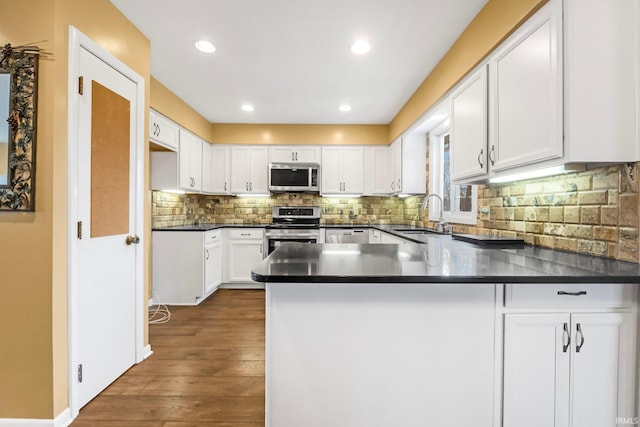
pixel 132 240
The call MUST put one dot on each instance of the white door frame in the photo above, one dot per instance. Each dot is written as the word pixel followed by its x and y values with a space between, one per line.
pixel 77 40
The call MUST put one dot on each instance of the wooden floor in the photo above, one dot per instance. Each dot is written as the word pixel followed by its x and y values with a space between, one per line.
pixel 207 369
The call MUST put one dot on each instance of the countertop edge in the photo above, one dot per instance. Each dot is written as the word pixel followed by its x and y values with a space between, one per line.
pixel 440 279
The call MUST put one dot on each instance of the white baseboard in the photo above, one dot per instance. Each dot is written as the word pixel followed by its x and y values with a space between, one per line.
pixel 146 352
pixel 62 420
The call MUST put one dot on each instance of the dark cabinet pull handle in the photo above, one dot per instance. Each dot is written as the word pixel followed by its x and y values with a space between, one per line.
pixel 480 158
pixel 579 331
pixel 566 333
pixel 573 294
pixel 491 159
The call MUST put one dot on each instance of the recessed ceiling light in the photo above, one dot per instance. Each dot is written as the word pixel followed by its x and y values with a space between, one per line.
pixel 205 46
pixel 345 108
pixel 248 108
pixel 360 47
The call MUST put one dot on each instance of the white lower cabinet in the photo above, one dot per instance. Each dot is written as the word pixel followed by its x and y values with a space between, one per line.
pixel 245 249
pixel 212 260
pixel 568 369
pixel 186 266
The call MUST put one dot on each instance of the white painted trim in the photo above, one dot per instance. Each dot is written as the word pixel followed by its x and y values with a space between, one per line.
pixel 62 420
pixel 436 184
pixel 147 352
pixel 78 40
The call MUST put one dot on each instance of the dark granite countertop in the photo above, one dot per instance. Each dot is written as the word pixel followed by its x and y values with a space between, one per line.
pixel 439 260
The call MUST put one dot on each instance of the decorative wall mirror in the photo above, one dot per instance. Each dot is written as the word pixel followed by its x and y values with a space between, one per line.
pixel 18 102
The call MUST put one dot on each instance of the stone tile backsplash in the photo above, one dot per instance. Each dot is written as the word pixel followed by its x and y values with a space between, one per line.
pixel 593 212
pixel 170 209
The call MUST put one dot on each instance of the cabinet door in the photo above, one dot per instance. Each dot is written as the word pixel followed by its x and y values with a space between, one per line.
pixel 283 154
pixel 526 94
pixel 414 164
pixel 378 170
pixel 536 370
pixel 469 127
pixel 243 256
pixel 219 174
pixel 240 170
pixel 306 154
pixel 212 267
pixel 352 170
pixel 383 170
pixel 331 174
pixel 602 371
pixel 207 168
pixel 397 165
pixel 163 131
pixel 259 170
pixel 190 162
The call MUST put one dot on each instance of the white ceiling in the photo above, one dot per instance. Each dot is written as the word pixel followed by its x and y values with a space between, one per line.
pixel 291 58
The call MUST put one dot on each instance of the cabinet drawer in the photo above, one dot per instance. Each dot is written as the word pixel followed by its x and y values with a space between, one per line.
pixel 246 233
pixel 212 236
pixel 570 295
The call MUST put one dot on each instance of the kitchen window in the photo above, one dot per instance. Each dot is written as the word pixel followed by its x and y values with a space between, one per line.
pixel 459 201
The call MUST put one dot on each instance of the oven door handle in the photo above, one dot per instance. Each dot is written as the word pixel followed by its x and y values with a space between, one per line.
pixel 292 236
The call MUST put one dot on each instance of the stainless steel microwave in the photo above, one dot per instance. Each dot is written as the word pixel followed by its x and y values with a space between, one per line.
pixel 294 177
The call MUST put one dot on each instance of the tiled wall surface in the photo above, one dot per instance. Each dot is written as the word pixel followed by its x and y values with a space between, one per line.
pixel 593 212
pixel 175 209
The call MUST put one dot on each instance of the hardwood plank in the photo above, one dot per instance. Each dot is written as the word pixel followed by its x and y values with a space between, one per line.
pixel 158 408
pixel 201 424
pixel 206 386
pixel 207 353
pixel 206 370
pixel 103 423
pixel 199 367
pixel 128 385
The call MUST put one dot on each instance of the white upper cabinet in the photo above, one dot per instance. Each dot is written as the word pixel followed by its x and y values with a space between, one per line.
pixel 216 167
pixel 396 158
pixel 163 131
pixel 190 162
pixel 561 92
pixel 294 154
pixel 249 170
pixel 600 80
pixel 378 170
pixel 342 170
pixel 410 164
pixel 469 104
pixel 526 93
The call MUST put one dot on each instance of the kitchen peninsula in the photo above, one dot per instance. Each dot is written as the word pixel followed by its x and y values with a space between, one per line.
pixel 445 333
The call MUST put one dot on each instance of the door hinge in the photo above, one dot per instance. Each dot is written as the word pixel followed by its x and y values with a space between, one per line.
pixel 81 85
pixel 80 373
pixel 79 230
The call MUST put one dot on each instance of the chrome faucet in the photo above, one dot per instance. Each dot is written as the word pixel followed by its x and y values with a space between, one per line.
pixel 441 221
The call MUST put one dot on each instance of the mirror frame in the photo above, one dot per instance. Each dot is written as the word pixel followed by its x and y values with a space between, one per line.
pixel 22 63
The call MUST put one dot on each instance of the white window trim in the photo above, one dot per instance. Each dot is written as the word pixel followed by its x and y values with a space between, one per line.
pixel 436 184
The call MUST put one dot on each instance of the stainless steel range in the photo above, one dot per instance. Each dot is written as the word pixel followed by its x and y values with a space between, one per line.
pixel 293 224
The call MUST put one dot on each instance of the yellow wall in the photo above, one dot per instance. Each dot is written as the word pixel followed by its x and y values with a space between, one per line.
pixel 298 134
pixel 33 288
pixel 26 360
pixel 492 25
pixel 168 103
